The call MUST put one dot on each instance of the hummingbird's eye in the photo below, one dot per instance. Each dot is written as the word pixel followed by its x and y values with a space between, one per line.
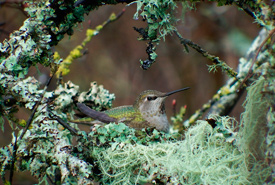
pixel 150 98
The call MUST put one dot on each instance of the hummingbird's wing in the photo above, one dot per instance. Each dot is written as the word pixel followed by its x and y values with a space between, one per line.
pixel 125 114
pixel 100 116
pixel 129 115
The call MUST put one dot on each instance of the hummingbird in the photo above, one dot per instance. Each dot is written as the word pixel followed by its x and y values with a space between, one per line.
pixel 147 111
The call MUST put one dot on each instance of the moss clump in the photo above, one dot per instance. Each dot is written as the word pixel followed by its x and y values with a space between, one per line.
pixel 203 157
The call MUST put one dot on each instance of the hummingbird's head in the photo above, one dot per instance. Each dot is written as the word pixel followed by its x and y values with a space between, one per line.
pixel 152 101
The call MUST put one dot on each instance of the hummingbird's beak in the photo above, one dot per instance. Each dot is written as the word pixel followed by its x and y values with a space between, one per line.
pixel 173 92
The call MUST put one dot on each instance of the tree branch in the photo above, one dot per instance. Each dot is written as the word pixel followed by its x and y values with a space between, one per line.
pixel 228 95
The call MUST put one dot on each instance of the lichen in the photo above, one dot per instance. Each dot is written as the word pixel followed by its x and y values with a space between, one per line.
pixel 253 129
pixel 159 16
pixel 205 156
pixel 97 97
pixel 161 21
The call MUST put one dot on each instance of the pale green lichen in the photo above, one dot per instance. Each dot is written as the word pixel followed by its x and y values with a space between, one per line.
pixel 203 157
pixel 45 148
pixel 159 16
pixel 68 94
pixel 50 145
pixel 97 97
pixel 28 89
pixel 161 21
pixel 254 120
pixel 65 95
pixel 253 130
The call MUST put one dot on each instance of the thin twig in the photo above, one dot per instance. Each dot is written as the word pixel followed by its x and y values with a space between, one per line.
pixel 15 147
pixel 35 108
pixel 116 18
pixel 63 68
pixel 63 123
pixel 213 58
pixel 13 159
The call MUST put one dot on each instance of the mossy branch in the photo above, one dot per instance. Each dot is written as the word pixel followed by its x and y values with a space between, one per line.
pixel 216 61
pixel 76 52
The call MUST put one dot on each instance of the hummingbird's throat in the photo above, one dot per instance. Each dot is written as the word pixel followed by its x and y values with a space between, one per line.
pixel 162 108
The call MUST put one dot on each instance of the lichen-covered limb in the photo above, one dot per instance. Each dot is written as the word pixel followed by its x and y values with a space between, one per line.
pixel 43 128
pixel 46 149
pixel 225 99
pixel 256 131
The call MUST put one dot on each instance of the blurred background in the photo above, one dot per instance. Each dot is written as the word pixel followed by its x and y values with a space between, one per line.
pixel 112 57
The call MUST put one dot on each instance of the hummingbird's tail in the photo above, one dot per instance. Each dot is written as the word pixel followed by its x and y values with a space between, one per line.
pixel 100 116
